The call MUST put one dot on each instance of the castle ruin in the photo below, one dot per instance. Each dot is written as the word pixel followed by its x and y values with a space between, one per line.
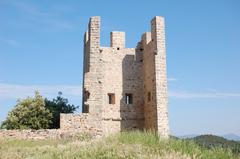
pixel 123 88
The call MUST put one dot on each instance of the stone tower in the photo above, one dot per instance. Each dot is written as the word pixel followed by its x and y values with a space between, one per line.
pixel 126 88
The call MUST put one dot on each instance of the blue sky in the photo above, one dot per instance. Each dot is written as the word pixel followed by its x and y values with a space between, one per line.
pixel 41 48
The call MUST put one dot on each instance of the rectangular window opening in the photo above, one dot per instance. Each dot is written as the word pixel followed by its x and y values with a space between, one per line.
pixel 86 108
pixel 128 98
pixel 111 98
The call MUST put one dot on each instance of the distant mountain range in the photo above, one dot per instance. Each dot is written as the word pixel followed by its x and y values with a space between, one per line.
pixel 232 137
pixel 188 136
pixel 226 136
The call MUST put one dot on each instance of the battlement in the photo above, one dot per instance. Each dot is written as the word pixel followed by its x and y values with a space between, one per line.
pixel 117 39
pixel 146 38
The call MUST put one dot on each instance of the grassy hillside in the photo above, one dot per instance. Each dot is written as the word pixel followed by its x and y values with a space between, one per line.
pixel 126 145
pixel 212 141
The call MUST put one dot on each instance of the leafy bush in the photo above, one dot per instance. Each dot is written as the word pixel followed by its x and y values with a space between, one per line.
pixel 38 113
pixel 56 106
pixel 29 113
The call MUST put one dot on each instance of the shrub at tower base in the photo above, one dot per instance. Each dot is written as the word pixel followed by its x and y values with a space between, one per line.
pixel 29 113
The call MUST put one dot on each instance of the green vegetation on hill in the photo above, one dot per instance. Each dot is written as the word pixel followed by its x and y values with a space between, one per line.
pixel 212 141
pixel 125 145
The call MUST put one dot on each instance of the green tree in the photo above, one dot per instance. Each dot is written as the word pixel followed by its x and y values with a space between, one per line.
pixel 59 105
pixel 29 113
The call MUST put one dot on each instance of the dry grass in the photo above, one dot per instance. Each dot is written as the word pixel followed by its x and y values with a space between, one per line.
pixel 126 145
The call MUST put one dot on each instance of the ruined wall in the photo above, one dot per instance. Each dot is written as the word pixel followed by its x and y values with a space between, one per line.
pixel 150 110
pixel 93 68
pixel 112 70
pixel 93 77
pixel 117 71
pixel 70 125
pixel 84 123
pixel 41 134
pixel 122 74
pixel 155 78
pixel 158 36
pixel 31 134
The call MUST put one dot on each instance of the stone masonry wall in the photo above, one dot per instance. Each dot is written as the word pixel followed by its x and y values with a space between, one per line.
pixel 31 134
pixel 93 77
pixel 155 78
pixel 70 125
pixel 38 134
pixel 158 36
pixel 112 70
pixel 116 70
pixel 84 123
pixel 150 110
pixel 119 81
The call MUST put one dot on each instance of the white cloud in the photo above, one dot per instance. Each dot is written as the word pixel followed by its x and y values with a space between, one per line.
pixel 205 94
pixel 13 91
pixel 170 79
pixel 8 91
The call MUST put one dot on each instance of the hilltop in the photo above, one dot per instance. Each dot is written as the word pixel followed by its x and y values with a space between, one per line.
pixel 125 145
pixel 212 141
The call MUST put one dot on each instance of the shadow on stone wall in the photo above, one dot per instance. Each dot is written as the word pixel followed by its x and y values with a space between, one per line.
pixel 132 114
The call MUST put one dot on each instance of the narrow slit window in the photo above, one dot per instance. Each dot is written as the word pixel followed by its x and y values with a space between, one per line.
pixel 86 95
pixel 111 98
pixel 128 98
pixel 149 96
